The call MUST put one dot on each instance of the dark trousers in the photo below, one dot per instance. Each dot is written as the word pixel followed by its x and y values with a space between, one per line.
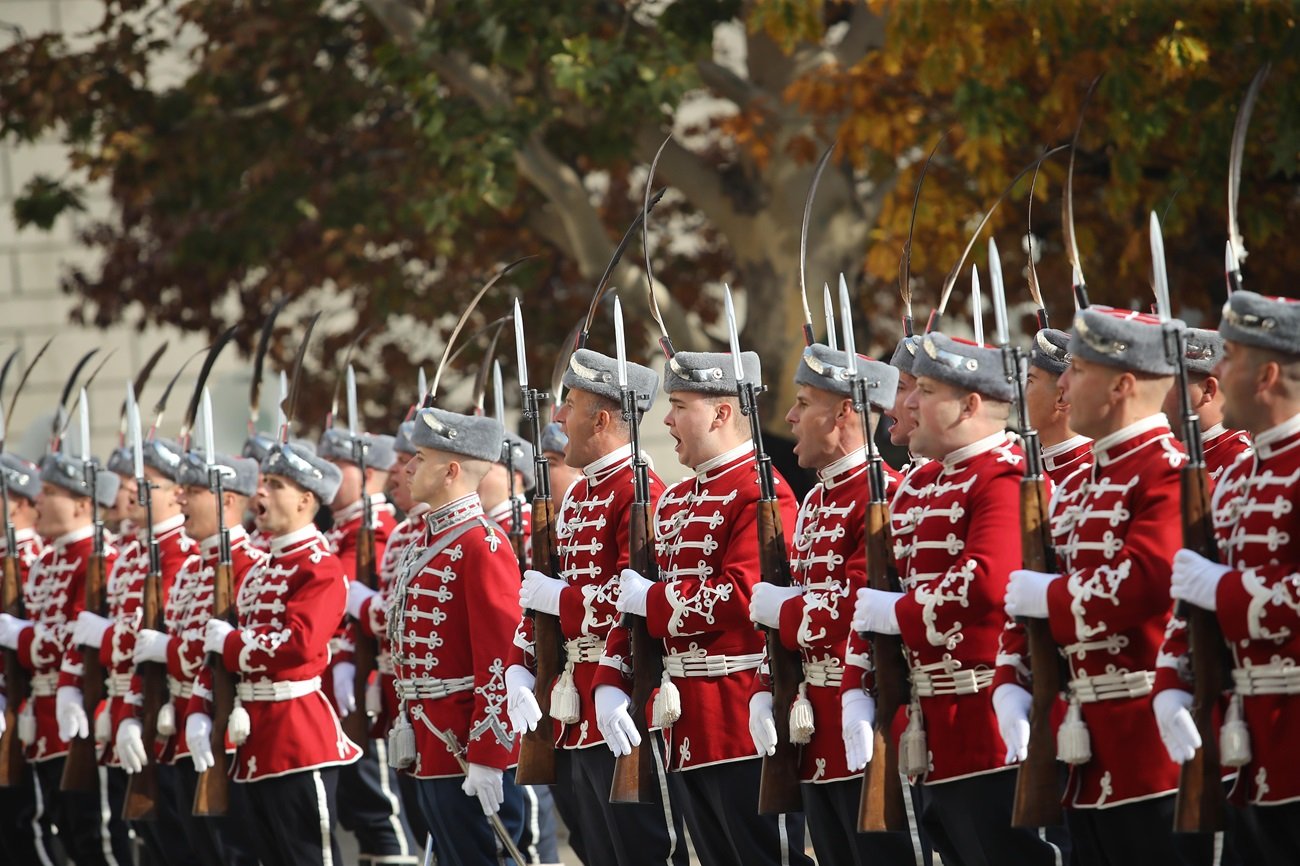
pixel 831 812
pixel 968 822
pixel 627 834
pixel 464 836
pixel 26 832
pixel 293 818
pixel 227 840
pixel 722 812
pixel 371 808
pixel 1142 834
pixel 165 836
pixel 537 837
pixel 1276 833
pixel 566 805
pixel 409 791
pixel 89 822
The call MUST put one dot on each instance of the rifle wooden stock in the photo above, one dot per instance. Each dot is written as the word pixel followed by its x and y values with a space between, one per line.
pixel 141 803
pixel 1200 806
pixel 12 759
pixel 778 787
pixel 882 807
pixel 537 748
pixel 635 778
pixel 1038 793
pixel 212 795
pixel 365 648
pixel 81 768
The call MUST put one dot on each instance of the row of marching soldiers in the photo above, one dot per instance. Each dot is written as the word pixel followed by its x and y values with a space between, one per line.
pixel 456 688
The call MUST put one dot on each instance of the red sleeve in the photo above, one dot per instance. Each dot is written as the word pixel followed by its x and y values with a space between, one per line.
pixel 311 613
pixel 495 610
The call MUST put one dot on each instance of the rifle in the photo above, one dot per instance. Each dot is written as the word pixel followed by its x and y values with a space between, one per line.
pixel 778 787
pixel 537 748
pixel 635 777
pixel 508 457
pixel 12 759
pixel 366 648
pixel 1200 806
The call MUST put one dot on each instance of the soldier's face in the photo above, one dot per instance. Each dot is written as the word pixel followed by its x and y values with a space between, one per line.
pixel 691 420
pixel 814 420
pixel 936 408
pixel 126 506
pixel 577 417
pixel 1238 372
pixel 280 506
pixel 396 486
pixel 1042 398
pixel 1089 388
pixel 426 474
pixel 59 511
pixel 900 433
pixel 199 506
pixel 350 487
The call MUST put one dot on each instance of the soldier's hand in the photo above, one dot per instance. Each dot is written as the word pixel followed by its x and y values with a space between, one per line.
pixel 857 716
pixel 614 721
pixel 358 595
pixel 1196 579
pixel 70 713
pixel 198 736
pixel 521 706
pixel 150 646
pixel 539 592
pixel 1177 729
pixel 215 634
pixel 1011 706
pixel 345 693
pixel 762 727
pixel 632 592
pixel 1027 593
pixel 130 746
pixel 875 611
pixel 4 724
pixel 484 783
pixel 89 629
pixel 10 628
pixel 767 600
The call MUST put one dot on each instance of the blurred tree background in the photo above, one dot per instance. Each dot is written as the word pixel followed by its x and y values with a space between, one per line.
pixel 382 158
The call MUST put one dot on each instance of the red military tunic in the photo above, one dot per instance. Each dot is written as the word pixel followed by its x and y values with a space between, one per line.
pixel 1257 520
pixel 830 564
pixel 1062 459
pixel 30 546
pixel 502 514
pixel 186 615
pixel 455 606
pixel 55 595
pixel 288 608
pixel 592 537
pixel 1116 527
pixel 706 538
pixel 343 539
pixel 1222 447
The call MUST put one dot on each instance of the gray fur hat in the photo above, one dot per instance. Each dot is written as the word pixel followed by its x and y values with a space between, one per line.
pixel 1257 320
pixel 1122 338
pixel 402 441
pixel 521 451
pixel 238 474
pixel 163 455
pixel 1050 351
pixel 476 436
pixel 23 478
pixel 710 372
pixel 106 486
pixel 554 438
pixel 904 357
pixel 826 368
pixel 1203 350
pixel 305 469
pixel 122 461
pixel 336 443
pixel 259 445
pixel 598 374
pixel 68 472
pixel 964 365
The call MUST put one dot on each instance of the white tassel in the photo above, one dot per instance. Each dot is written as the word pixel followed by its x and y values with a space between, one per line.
pixel 27 724
pixel 374 698
pixel 1234 737
pixel 166 720
pixel 913 752
pixel 401 742
pixel 103 726
pixel 667 706
pixel 1073 743
pixel 239 725
pixel 801 718
pixel 564 698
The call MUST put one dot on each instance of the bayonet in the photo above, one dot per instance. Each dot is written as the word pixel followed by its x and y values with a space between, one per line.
pixel 295 383
pixel 187 424
pixel 829 312
pixel 803 244
pixel 977 305
pixel 259 361
pixel 352 402
pixel 141 379
pixel 338 380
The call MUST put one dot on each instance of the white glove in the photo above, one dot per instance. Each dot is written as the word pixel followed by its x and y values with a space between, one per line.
pixel 614 720
pixel 484 783
pixel 358 595
pixel 539 592
pixel 1027 593
pixel 874 611
pixel 4 725
pixel 150 646
pixel 1196 579
pixel 1011 705
pixel 198 736
pixel 521 705
pixel 766 601
pixel 10 628
pixel 345 693
pixel 215 634
pixel 130 745
pixel 1177 729
pixel 70 713
pixel 857 716
pixel 89 629
pixel 632 592
pixel 762 727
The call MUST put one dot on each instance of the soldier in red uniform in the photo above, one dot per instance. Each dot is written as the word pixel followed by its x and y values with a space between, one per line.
pixel 1064 450
pixel 55 595
pixel 453 618
pixel 592 532
pixel 1115 528
pixel 288 609
pixel 812 615
pixel 1255 589
pixel 706 539
pixel 1221 445
pixel 495 489
pixel 563 476
pixel 955 524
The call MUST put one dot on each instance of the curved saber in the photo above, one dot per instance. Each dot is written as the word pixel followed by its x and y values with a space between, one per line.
pixel 603 284
pixel 803 244
pixel 192 411
pixel 1035 290
pixel 1071 239
pixel 1237 154
pixel 295 382
pixel 259 361
pixel 664 342
pixel 18 389
pixel 905 262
